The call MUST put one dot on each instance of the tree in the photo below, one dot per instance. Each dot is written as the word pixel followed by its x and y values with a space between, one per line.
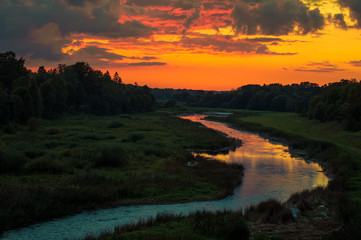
pixel 117 78
pixel 11 69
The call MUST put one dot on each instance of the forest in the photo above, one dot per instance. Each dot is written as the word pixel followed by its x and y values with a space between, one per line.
pixel 339 101
pixel 70 89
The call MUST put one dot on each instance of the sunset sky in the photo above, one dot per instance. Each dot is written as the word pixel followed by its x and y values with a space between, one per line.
pixel 194 44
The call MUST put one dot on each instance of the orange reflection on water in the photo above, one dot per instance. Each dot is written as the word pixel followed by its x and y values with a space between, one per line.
pixel 269 166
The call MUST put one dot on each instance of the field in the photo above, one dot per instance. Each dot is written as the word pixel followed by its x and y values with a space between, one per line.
pixel 57 167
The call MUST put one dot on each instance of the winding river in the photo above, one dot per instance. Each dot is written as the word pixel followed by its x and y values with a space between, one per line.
pixel 270 172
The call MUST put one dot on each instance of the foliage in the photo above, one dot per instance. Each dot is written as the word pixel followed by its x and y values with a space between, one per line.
pixel 66 89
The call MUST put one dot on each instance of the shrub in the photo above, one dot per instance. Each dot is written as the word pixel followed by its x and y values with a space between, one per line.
pixel 52 131
pixel 33 123
pixel 9 129
pixel 227 225
pixel 11 161
pixel 115 124
pixel 90 178
pixel 134 137
pixel 33 153
pixel 111 156
pixel 95 137
pixel 51 144
pixel 46 165
pixel 270 211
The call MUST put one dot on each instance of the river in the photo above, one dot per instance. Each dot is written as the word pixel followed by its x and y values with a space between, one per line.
pixel 270 172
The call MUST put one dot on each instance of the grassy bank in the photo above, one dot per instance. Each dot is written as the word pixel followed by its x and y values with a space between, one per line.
pixel 64 166
pixel 196 226
pixel 323 142
pixel 344 147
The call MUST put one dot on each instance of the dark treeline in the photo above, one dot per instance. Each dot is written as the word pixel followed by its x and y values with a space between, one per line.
pixel 339 101
pixel 66 89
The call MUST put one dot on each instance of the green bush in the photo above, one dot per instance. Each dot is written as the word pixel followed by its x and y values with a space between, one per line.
pixel 95 136
pixel 82 157
pixel 134 137
pixel 33 123
pixel 115 124
pixel 51 144
pixel 228 225
pixel 11 161
pixel 9 128
pixel 52 131
pixel 46 165
pixel 111 156
pixel 34 152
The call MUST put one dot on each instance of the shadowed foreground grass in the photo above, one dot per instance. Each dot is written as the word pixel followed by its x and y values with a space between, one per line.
pixel 75 163
pixel 196 226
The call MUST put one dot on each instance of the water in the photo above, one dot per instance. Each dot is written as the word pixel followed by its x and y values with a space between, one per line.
pixel 270 172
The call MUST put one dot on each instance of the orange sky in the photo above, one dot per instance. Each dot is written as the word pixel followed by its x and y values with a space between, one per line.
pixel 200 44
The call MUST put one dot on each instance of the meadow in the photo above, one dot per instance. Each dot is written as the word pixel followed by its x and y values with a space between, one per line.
pixel 52 168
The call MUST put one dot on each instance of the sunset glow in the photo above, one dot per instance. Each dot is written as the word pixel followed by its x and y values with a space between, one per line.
pixel 195 44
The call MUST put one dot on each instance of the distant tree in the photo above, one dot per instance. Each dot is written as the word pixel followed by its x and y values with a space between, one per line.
pixel 117 78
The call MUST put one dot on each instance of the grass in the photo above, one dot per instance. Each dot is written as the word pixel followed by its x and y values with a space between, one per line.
pixel 75 163
pixel 348 144
pixel 200 225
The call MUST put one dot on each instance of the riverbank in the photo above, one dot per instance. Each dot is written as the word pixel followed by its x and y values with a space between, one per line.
pixel 327 143
pixel 321 213
pixel 78 163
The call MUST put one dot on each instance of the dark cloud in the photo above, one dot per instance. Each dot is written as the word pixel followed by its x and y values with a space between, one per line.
pixel 147 3
pixel 276 17
pixel 355 63
pixel 264 39
pixel 146 58
pixel 147 64
pixel 98 53
pixel 20 21
pixel 319 67
pixel 225 45
pixel 81 2
pixel 355 9
pixel 338 20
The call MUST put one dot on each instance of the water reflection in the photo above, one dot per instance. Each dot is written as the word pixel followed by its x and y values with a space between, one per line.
pixel 269 166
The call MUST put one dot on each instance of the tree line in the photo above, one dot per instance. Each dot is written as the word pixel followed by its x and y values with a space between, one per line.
pixel 340 101
pixel 71 89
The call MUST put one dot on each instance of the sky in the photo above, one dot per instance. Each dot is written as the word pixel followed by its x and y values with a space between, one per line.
pixel 193 44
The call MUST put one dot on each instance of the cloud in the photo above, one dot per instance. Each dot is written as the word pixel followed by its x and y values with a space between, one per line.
pixel 276 17
pixel 355 9
pixel 355 63
pixel 147 3
pixel 147 64
pixel 319 67
pixel 146 58
pixel 219 44
pixel 339 21
pixel 98 53
pixel 264 39
pixel 24 24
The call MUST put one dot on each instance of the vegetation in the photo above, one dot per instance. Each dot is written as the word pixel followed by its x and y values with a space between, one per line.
pixel 198 225
pixel 80 162
pixel 336 101
pixel 25 95
pixel 325 142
